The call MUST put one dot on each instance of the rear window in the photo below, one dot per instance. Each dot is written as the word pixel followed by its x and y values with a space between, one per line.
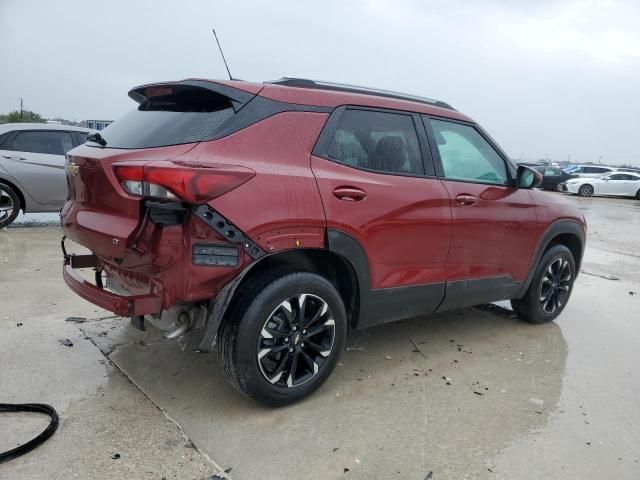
pixel 185 116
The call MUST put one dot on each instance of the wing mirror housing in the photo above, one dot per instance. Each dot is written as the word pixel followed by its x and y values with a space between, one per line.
pixel 527 177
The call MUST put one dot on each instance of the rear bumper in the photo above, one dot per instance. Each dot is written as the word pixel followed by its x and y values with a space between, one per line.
pixel 125 306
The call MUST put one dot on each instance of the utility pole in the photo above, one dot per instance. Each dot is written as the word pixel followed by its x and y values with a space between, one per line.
pixel 600 159
pixel 547 159
pixel 20 108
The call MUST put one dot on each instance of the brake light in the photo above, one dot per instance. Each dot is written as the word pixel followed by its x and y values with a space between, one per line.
pixel 172 181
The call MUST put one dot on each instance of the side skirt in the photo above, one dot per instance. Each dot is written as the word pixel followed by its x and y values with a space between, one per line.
pixel 467 293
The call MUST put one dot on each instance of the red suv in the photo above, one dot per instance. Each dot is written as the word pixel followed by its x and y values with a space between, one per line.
pixel 274 217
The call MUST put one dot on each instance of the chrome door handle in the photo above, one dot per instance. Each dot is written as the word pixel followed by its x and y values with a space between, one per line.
pixel 349 194
pixel 465 199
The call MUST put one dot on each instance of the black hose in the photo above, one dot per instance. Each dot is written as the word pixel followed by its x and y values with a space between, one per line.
pixel 40 439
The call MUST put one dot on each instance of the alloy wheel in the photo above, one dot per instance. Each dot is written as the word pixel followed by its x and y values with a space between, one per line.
pixel 296 340
pixel 6 205
pixel 555 285
pixel 586 190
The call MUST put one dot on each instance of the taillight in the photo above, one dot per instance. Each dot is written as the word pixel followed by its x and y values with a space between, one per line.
pixel 189 182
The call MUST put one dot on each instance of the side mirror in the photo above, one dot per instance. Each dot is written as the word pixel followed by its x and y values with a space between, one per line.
pixel 527 177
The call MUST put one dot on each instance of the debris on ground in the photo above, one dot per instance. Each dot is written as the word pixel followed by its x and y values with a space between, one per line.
pixel 429 476
pixel 19 324
pixel 606 277
pixel 336 449
pixel 388 357
pixel 632 293
pixel 417 348
pixel 228 470
pixel 115 456
pixel 478 393
pixel 355 349
pixel 75 319
pixel 66 342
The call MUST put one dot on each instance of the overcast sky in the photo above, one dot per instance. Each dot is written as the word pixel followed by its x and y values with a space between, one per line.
pixel 546 77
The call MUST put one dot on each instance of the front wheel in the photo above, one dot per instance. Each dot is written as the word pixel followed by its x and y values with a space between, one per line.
pixel 284 337
pixel 9 205
pixel 550 288
pixel 585 191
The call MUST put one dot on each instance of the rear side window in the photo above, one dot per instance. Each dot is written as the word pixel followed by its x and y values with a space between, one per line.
pixel 380 141
pixel 50 142
pixel 191 115
pixel 466 155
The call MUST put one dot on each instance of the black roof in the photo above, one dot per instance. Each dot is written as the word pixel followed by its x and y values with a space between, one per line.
pixel 341 87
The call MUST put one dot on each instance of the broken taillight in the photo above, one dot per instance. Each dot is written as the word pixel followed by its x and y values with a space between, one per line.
pixel 185 181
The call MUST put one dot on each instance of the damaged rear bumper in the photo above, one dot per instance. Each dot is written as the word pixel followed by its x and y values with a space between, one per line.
pixel 125 306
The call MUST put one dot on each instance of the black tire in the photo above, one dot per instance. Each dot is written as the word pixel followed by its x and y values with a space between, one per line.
pixel 638 195
pixel 585 190
pixel 538 305
pixel 257 308
pixel 8 199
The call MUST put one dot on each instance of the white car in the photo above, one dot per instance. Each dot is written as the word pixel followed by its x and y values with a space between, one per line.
pixel 588 171
pixel 623 184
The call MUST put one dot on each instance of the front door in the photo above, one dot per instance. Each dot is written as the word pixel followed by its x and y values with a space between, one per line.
pixel 618 184
pixel 386 212
pixel 36 160
pixel 493 223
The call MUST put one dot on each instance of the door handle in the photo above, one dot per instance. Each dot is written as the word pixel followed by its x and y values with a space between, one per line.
pixel 465 199
pixel 349 194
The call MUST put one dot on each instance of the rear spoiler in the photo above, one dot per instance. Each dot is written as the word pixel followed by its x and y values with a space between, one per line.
pixel 239 98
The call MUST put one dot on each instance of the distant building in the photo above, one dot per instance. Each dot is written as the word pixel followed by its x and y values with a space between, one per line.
pixel 97 124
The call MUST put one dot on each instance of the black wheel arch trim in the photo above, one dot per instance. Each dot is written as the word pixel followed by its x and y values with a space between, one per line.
pixel 377 306
pixel 560 227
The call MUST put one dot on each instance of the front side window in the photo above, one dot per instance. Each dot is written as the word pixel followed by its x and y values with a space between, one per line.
pixel 385 142
pixel 82 137
pixel 466 155
pixel 53 143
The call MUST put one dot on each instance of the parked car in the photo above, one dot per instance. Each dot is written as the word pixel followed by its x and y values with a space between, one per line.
pixel 614 184
pixel 274 217
pixel 553 177
pixel 628 169
pixel 588 171
pixel 32 176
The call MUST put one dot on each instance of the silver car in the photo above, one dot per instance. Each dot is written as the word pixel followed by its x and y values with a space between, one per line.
pixel 32 176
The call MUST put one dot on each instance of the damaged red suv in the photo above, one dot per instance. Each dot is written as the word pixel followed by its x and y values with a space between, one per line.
pixel 273 217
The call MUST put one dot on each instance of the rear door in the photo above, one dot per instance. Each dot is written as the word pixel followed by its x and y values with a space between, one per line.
pixel 493 223
pixel 35 158
pixel 381 198
pixel 619 184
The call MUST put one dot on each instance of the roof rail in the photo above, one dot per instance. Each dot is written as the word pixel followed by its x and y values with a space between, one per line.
pixel 343 87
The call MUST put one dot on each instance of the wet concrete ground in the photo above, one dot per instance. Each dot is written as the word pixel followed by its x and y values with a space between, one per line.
pixel 517 401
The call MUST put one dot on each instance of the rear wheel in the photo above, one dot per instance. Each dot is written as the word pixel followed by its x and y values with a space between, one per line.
pixel 284 337
pixel 585 191
pixel 9 205
pixel 550 288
